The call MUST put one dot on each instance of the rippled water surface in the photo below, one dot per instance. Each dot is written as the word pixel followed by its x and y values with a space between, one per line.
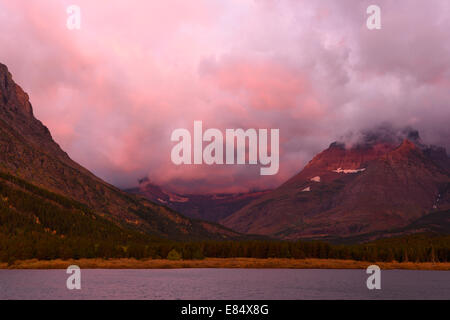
pixel 224 284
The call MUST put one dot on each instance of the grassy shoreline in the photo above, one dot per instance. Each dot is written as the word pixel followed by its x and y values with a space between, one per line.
pixel 246 263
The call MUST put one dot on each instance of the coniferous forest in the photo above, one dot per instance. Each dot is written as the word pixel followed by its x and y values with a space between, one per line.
pixel 37 223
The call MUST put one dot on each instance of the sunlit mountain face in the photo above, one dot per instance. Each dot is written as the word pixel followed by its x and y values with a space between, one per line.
pixel 378 184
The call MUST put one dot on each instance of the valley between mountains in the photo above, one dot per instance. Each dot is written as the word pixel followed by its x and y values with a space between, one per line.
pixel 386 186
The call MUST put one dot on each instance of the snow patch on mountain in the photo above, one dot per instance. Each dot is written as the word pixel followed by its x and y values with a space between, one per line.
pixel 176 198
pixel 340 170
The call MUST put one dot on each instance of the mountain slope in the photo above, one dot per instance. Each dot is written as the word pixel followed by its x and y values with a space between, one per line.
pixel 345 192
pixel 28 151
pixel 37 223
pixel 436 223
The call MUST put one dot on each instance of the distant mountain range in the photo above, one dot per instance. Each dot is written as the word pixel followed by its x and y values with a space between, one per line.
pixel 210 207
pixel 30 157
pixel 379 184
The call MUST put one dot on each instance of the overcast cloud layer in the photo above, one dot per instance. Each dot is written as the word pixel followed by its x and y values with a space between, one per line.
pixel 112 92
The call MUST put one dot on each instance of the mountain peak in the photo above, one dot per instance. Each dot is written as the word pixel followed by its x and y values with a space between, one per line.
pixel 383 134
pixel 404 150
pixel 387 180
pixel 12 97
pixel 407 145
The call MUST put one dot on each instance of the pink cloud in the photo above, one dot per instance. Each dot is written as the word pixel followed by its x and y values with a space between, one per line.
pixel 112 92
pixel 261 84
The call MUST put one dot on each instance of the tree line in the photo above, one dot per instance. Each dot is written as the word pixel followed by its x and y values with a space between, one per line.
pixel 419 248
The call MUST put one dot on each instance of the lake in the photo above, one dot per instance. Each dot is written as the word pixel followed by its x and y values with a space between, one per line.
pixel 218 284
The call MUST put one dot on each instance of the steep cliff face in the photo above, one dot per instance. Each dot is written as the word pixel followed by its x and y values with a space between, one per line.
pixel 28 151
pixel 343 191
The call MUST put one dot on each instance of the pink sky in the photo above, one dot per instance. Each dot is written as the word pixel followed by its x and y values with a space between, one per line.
pixel 112 92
